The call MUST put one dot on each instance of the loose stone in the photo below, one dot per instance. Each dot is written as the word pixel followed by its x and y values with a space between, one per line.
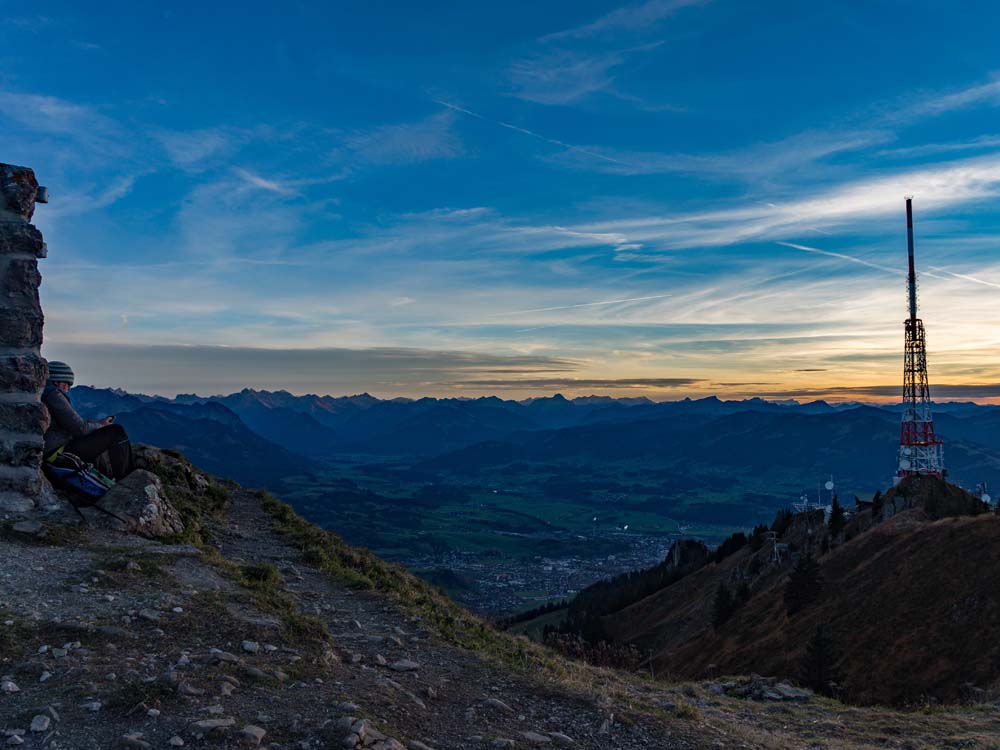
pixel 534 738
pixel 252 735
pixel 404 665
pixel 498 704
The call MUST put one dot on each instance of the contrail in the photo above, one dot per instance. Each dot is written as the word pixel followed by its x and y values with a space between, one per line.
pixel 533 134
pixel 966 277
pixel 887 269
pixel 584 304
pixel 851 258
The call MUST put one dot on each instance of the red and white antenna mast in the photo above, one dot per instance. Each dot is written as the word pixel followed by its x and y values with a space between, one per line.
pixel 919 448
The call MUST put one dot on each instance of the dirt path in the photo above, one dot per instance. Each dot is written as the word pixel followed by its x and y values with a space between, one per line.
pixel 454 696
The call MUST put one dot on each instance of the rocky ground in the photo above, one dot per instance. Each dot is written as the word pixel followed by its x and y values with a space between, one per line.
pixel 234 634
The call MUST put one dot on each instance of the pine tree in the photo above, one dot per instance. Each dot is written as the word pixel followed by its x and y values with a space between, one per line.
pixel 877 503
pixel 837 518
pixel 723 606
pixel 804 584
pixel 819 665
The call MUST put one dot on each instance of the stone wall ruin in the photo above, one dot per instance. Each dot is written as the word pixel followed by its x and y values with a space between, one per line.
pixel 23 418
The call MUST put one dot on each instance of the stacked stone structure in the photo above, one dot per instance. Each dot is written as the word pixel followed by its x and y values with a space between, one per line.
pixel 23 418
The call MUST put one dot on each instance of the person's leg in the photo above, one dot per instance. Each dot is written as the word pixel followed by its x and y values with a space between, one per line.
pixel 112 440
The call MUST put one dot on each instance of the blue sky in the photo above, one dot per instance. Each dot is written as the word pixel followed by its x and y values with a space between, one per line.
pixel 666 198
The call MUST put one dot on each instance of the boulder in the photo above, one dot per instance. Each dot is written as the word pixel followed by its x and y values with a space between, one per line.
pixel 140 500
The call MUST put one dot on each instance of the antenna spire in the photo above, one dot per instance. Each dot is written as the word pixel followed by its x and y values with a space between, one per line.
pixel 919 448
pixel 911 279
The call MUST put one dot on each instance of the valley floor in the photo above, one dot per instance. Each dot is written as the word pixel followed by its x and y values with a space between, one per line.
pixel 113 654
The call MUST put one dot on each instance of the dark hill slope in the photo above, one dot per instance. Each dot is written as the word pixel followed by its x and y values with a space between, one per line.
pixel 857 444
pixel 860 440
pixel 913 606
pixel 225 448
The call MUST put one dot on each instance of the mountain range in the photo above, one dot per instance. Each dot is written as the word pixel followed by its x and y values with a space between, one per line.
pixel 745 438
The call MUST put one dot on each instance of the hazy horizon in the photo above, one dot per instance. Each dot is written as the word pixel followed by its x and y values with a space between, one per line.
pixel 211 369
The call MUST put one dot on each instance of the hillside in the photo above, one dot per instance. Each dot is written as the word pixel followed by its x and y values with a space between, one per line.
pixel 251 627
pixel 228 449
pixel 912 604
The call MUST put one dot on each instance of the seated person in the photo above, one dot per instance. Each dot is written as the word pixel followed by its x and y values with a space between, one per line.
pixel 102 443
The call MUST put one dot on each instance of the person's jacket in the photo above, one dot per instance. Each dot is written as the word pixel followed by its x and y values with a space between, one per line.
pixel 64 423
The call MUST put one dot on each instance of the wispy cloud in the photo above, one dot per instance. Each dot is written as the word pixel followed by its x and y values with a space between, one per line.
pixel 538 136
pixel 575 384
pixel 585 304
pixel 194 149
pixel 406 143
pixel 942 103
pixel 563 76
pixel 935 188
pixel 631 18
pixel 51 115
pixel 929 149
pixel 217 369
pixel 754 163
pixel 255 180
pixel 565 68
pixel 893 392
pixel 83 200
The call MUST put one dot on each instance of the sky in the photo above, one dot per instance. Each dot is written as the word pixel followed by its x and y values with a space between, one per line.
pixel 668 198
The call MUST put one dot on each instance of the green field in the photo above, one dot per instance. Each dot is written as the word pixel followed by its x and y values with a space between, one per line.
pixel 516 511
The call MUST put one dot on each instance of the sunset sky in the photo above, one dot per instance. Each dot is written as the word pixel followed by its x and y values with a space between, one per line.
pixel 670 198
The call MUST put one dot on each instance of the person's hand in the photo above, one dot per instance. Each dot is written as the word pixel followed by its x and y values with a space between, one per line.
pixel 107 421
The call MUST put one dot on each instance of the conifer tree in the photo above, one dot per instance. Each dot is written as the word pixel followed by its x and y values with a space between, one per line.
pixel 837 518
pixel 723 606
pixel 804 584
pixel 819 665
pixel 877 504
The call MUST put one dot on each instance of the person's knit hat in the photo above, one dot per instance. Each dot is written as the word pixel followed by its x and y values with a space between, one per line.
pixel 60 372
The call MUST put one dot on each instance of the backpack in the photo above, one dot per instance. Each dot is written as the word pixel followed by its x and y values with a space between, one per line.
pixel 83 485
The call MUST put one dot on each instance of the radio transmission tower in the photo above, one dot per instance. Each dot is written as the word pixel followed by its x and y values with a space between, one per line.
pixel 919 448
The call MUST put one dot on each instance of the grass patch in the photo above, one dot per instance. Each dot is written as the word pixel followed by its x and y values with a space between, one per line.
pixel 129 695
pixel 196 505
pixel 362 569
pixel 264 584
pixel 53 535
pixel 13 638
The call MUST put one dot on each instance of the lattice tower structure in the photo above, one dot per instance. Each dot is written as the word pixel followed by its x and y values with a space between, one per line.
pixel 920 450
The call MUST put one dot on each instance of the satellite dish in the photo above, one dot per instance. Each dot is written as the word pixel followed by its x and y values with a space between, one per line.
pixel 906 451
pixel 986 498
pixel 829 484
pixel 904 463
